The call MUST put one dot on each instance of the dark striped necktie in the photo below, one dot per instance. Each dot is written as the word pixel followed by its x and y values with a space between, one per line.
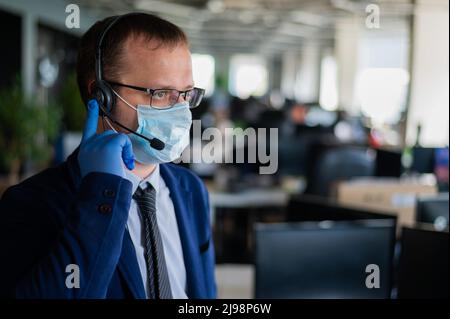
pixel 157 276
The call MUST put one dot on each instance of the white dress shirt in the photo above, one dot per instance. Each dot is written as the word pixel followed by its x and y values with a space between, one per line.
pixel 168 228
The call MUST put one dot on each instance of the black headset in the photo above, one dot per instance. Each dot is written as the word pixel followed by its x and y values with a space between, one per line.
pixel 103 92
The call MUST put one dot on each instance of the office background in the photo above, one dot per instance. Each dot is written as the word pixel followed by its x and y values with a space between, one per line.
pixel 359 93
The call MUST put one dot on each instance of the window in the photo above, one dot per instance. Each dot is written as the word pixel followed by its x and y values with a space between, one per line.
pixel 248 76
pixel 382 93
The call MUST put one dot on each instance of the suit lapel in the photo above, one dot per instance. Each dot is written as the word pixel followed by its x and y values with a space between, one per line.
pixel 182 202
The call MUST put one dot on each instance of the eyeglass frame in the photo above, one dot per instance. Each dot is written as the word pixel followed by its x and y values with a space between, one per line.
pixel 151 91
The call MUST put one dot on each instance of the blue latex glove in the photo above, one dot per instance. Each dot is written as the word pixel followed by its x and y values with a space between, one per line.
pixel 103 152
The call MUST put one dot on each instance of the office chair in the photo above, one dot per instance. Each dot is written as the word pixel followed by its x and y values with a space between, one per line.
pixel 433 209
pixel 423 271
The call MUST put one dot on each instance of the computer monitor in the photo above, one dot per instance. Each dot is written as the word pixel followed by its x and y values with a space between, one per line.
pixel 423 266
pixel 293 156
pixel 335 163
pixel 433 209
pixel 317 208
pixel 321 260
pixel 388 163
pixel 423 160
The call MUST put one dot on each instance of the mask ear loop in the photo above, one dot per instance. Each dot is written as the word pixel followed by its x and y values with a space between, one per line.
pixel 123 100
pixel 104 118
pixel 103 122
pixel 109 124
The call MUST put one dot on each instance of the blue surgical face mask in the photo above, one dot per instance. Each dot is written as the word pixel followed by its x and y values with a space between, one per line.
pixel 171 126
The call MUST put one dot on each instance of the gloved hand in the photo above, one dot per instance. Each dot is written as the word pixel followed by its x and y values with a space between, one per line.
pixel 103 152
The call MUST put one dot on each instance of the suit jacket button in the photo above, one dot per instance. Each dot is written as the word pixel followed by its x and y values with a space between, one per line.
pixel 109 192
pixel 105 208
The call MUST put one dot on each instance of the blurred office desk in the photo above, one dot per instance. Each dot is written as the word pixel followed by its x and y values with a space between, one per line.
pixel 233 215
pixel 249 198
pixel 396 195
pixel 235 281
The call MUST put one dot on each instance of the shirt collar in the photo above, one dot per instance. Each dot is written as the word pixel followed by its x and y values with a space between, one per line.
pixel 153 179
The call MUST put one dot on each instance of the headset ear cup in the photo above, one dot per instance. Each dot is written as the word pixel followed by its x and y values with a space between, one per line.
pixel 110 96
pixel 98 96
pixel 104 96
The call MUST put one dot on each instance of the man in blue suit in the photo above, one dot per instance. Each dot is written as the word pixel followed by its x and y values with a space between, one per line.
pixel 116 220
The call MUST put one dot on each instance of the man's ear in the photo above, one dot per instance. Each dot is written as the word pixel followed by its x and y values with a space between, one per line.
pixel 90 87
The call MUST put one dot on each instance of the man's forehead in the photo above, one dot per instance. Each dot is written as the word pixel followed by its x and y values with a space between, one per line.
pixel 170 66
pixel 140 57
pixel 140 45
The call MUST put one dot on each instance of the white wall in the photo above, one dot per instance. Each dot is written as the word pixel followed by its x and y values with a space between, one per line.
pixel 383 72
pixel 430 74
pixel 347 37
pixel 290 65
pixel 359 49
pixel 308 76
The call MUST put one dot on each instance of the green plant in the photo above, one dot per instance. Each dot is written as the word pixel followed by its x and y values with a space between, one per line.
pixel 27 128
pixel 73 107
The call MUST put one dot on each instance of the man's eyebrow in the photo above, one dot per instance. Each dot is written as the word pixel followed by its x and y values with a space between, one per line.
pixel 171 87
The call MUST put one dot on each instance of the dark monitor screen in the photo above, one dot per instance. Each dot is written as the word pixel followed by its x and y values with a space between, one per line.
pixel 433 209
pixel 388 163
pixel 323 260
pixel 423 160
pixel 423 268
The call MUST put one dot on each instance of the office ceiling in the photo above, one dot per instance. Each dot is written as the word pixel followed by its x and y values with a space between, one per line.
pixel 266 26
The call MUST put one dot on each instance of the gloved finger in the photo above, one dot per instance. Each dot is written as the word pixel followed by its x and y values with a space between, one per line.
pixel 90 127
pixel 105 137
pixel 127 151
pixel 107 133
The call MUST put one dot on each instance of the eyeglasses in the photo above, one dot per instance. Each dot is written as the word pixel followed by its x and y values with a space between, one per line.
pixel 166 98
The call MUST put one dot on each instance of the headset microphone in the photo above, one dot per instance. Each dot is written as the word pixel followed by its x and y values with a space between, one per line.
pixel 156 143
pixel 104 94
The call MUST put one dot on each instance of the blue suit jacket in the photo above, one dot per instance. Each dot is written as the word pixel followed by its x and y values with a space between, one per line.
pixel 55 219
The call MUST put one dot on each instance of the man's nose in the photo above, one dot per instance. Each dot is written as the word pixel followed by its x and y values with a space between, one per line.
pixel 182 98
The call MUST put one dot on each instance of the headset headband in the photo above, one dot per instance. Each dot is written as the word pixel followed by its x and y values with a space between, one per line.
pixel 98 53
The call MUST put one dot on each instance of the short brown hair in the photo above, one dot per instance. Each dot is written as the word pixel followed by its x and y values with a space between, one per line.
pixel 149 26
